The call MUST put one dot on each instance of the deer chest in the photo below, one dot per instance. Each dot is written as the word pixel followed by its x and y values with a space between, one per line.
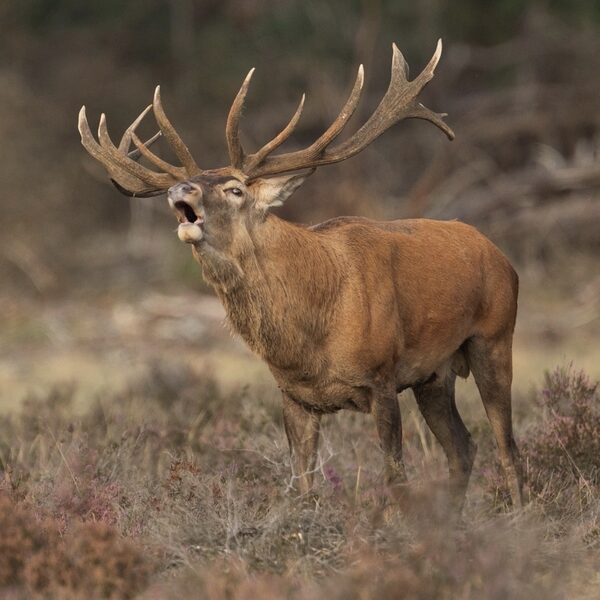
pixel 325 396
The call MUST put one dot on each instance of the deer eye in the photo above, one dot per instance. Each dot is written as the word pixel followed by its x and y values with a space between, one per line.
pixel 235 191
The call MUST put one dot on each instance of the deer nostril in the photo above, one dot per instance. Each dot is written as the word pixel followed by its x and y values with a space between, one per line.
pixel 181 189
pixel 186 188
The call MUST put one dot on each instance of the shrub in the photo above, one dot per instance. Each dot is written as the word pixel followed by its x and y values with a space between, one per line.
pixel 102 564
pixel 93 560
pixel 24 541
pixel 565 446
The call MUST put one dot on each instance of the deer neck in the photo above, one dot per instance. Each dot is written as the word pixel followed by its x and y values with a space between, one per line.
pixel 280 291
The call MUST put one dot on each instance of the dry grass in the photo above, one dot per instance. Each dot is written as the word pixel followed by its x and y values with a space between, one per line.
pixel 178 489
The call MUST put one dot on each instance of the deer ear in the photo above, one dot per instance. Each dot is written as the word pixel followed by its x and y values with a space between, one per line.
pixel 274 191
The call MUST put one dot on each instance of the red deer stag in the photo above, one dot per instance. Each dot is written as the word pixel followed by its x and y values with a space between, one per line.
pixel 350 312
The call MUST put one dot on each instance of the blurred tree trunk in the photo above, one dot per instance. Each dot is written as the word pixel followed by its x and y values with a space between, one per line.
pixel 182 37
pixel 368 31
pixel 428 22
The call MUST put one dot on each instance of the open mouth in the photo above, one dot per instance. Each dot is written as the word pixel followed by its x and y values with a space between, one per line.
pixel 190 228
pixel 186 214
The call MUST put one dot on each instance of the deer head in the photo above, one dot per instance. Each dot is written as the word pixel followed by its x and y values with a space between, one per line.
pixel 216 207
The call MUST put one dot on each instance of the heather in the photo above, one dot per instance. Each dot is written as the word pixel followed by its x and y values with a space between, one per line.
pixel 175 487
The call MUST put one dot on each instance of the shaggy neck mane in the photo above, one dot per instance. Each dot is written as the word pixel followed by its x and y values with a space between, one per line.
pixel 282 298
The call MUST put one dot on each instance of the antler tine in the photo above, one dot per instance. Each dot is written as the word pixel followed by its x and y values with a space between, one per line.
pixel 340 122
pixel 420 111
pixel 135 154
pixel 125 142
pixel 163 180
pixel 428 72
pixel 232 129
pixel 177 172
pixel 175 141
pixel 398 103
pixel 118 174
pixel 326 138
pixel 282 136
pixel 146 193
pixel 126 139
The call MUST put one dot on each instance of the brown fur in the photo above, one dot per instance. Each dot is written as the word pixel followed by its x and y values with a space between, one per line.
pixel 349 312
pixel 338 308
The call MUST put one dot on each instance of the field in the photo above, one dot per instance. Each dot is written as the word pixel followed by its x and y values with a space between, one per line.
pixel 142 450
pixel 143 453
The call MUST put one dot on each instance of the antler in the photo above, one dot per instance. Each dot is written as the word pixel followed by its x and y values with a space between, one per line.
pixel 398 103
pixel 129 176
pixel 133 179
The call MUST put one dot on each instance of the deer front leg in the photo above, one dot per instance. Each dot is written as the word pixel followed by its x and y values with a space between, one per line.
pixel 302 430
pixel 386 413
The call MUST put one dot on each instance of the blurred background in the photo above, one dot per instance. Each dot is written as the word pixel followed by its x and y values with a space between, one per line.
pixel 95 286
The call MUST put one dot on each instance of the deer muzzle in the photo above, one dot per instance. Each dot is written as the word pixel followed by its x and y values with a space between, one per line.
pixel 185 199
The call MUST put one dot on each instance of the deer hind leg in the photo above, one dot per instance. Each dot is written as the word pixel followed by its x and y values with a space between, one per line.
pixel 386 413
pixel 302 429
pixel 491 365
pixel 437 405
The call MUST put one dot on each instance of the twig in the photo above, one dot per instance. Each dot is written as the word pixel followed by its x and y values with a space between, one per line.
pixel 66 463
pixel 581 475
pixel 356 487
